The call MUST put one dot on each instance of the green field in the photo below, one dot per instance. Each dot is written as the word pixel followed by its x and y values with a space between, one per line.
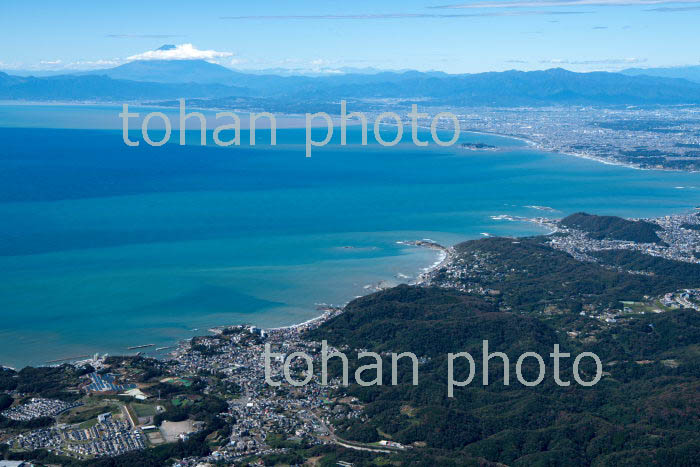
pixel 87 412
pixel 88 424
pixel 143 410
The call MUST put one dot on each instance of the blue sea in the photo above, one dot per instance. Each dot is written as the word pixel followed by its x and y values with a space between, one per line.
pixel 104 246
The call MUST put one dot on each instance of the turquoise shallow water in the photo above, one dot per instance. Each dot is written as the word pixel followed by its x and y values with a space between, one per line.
pixel 104 246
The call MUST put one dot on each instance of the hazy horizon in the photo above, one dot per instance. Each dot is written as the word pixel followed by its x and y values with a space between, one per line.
pixel 323 37
pixel 281 71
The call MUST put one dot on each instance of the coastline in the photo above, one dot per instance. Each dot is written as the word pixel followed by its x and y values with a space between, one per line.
pixel 298 118
pixel 327 312
pixel 445 255
pixel 580 155
pixel 534 145
pixel 424 271
pixel 330 311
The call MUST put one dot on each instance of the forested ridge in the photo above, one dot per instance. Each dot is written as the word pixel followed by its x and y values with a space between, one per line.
pixel 613 227
pixel 645 410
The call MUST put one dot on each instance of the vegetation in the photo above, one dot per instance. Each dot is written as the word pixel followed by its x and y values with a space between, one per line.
pixel 205 408
pixel 426 321
pixel 525 296
pixel 690 226
pixel 529 276
pixel 158 456
pixel 49 382
pixel 645 410
pixel 5 401
pixel 668 274
pixel 613 228
pixel 41 422
pixel 143 410
pixel 85 413
pixel 140 369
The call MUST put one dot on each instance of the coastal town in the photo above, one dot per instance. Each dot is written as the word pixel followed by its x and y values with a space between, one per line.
pixel 258 415
pixel 679 234
pixel 350 234
pixel 127 404
pixel 677 239
pixel 654 137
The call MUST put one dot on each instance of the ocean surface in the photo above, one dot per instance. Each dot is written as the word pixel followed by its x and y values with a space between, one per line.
pixel 104 246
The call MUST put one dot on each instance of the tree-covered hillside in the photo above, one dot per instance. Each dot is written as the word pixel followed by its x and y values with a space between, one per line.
pixel 528 275
pixel 613 228
pixel 644 410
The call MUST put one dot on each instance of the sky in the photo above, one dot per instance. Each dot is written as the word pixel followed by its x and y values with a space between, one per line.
pixel 455 36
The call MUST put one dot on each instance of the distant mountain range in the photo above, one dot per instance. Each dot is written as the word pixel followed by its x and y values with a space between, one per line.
pixel 170 71
pixel 691 73
pixel 103 88
pixel 157 80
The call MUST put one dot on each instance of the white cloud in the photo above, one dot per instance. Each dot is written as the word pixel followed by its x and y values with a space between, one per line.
pixel 180 52
pixel 90 64
pixel 60 65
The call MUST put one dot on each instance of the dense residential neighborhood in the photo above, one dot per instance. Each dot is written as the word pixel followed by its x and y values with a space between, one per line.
pixel 37 407
pixel 652 137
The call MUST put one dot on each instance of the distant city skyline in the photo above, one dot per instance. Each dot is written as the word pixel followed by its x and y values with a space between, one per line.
pixel 324 37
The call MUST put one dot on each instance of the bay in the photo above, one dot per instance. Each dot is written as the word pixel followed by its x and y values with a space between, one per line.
pixel 104 246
